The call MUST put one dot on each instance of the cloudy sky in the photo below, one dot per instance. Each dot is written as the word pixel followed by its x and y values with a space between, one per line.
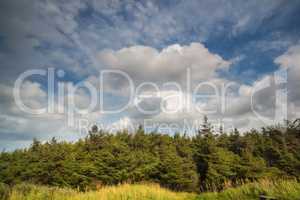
pixel 250 48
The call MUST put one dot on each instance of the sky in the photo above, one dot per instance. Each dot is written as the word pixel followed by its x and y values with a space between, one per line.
pixel 246 52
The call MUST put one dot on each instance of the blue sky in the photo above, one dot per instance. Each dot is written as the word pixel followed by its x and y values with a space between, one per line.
pixel 252 38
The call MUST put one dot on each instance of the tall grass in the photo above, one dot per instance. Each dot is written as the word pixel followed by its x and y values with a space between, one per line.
pixel 4 191
pixel 279 189
pixel 121 192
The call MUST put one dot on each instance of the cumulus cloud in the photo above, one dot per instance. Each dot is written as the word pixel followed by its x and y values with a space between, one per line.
pixel 171 63
pixel 245 105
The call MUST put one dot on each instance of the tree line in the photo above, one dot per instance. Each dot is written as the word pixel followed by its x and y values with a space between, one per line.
pixel 207 161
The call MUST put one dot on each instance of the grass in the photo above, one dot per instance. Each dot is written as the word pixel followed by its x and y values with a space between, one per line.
pixel 121 192
pixel 280 189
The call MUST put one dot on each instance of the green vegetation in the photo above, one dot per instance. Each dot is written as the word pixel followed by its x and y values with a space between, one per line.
pixel 207 162
pixel 280 189
pixel 121 192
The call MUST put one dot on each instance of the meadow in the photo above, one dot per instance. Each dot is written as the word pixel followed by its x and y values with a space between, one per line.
pixel 281 189
pixel 120 192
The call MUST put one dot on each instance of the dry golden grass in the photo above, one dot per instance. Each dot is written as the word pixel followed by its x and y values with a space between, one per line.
pixel 121 192
pixel 280 189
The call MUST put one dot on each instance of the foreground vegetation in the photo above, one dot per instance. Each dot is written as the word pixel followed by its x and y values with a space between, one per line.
pixel 280 189
pixel 208 161
pixel 121 192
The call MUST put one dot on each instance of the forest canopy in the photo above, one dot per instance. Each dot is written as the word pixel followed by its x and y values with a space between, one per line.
pixel 205 162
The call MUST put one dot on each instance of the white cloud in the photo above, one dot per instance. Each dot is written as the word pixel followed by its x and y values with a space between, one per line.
pixel 17 125
pixel 144 63
pixel 170 64
pixel 290 61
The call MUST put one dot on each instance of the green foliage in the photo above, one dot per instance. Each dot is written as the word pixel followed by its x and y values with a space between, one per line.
pixel 206 162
